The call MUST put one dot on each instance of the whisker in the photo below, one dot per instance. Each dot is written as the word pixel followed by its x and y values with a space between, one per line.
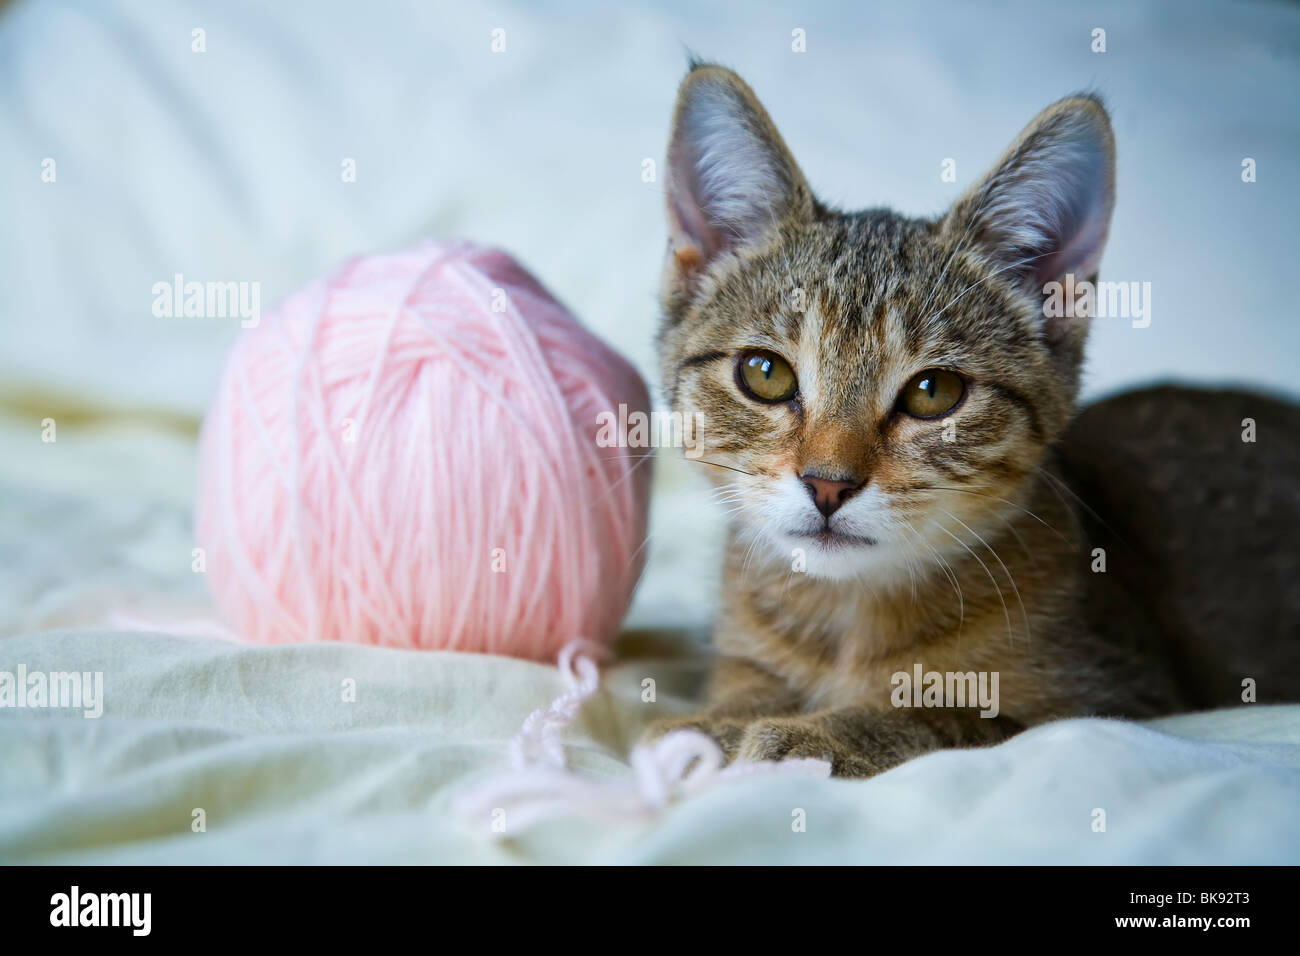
pixel 641 460
pixel 961 245
pixel 911 572
pixel 934 318
pixel 724 496
pixel 1005 569
pixel 749 553
pixel 978 494
pixel 785 584
pixel 701 461
pixel 875 595
pixel 644 545
pixel 949 572
pixel 1016 534
pixel 1005 610
pixel 716 464
pixel 1054 481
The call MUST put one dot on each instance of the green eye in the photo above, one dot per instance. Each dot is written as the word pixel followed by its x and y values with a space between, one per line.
pixel 932 393
pixel 766 377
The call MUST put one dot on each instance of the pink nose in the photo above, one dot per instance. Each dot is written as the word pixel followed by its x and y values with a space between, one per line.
pixel 828 495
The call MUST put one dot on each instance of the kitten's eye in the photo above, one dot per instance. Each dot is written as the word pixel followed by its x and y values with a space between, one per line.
pixel 766 377
pixel 931 393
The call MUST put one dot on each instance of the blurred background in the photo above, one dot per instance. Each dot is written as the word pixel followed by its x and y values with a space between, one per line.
pixel 211 140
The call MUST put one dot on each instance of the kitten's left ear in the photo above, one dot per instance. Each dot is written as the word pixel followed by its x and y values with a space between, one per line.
pixel 1044 210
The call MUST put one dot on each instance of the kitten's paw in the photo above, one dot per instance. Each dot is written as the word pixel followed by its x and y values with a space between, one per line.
pixel 790 738
pixel 778 738
pixel 727 732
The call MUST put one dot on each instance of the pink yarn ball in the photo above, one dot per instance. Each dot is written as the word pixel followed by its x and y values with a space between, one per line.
pixel 406 454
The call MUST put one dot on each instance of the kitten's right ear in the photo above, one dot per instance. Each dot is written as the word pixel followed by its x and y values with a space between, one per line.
pixel 731 179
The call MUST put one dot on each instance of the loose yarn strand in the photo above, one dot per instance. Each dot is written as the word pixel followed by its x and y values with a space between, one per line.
pixel 540 786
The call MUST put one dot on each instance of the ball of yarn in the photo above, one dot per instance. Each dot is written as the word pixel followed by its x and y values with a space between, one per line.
pixel 405 453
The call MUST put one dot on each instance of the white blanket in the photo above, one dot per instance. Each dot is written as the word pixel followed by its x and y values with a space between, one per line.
pixel 283 768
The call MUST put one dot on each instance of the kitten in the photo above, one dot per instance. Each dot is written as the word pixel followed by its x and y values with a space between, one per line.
pixel 890 414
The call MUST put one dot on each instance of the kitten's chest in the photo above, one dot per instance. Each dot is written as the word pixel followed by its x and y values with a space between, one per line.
pixel 845 652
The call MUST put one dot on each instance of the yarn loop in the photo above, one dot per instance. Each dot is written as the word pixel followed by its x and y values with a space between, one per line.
pixel 539 786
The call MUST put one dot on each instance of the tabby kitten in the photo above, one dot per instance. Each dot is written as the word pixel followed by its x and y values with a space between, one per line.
pixel 888 413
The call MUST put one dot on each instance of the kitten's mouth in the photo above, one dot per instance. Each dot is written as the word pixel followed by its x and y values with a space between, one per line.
pixel 837 540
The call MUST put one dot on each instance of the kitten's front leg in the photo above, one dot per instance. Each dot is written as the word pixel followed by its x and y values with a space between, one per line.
pixel 739 692
pixel 860 742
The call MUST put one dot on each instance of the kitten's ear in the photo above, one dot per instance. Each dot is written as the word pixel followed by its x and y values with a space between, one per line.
pixel 730 179
pixel 1044 210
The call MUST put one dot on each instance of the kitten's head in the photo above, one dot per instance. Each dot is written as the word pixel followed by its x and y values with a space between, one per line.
pixel 872 385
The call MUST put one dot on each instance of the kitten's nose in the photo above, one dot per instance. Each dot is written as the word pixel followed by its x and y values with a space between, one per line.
pixel 827 494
